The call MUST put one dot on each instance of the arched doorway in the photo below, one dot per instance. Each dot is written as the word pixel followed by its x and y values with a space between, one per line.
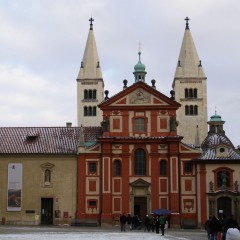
pixel 224 207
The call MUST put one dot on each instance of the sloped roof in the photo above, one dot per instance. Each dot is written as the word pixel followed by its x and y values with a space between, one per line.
pixel 214 140
pixel 44 140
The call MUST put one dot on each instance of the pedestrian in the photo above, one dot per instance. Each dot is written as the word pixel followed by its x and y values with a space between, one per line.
pixel 207 227
pixel 162 222
pixel 129 221
pixel 146 223
pixel 152 223
pixel 215 227
pixel 157 224
pixel 123 220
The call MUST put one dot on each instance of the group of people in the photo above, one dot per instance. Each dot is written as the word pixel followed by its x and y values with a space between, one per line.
pixel 152 223
pixel 225 229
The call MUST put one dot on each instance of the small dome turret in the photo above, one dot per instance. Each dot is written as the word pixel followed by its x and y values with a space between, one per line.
pixel 139 70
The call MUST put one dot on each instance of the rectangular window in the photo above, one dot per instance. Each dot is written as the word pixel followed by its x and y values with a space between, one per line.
pixel 92 167
pixel 139 125
pixel 188 167
pixel 92 203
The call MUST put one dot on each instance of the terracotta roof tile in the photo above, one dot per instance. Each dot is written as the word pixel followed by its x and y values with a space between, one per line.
pixel 43 140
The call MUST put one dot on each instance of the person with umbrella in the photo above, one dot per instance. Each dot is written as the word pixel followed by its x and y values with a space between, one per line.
pixel 162 222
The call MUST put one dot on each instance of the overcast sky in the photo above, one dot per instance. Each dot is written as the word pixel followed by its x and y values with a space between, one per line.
pixel 42 45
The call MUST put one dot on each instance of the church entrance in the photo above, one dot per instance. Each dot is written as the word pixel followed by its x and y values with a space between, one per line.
pixel 140 206
pixel 224 206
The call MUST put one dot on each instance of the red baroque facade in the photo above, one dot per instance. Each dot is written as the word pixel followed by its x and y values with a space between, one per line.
pixel 138 163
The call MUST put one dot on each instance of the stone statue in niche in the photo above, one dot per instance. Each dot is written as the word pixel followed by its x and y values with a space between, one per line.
pixel 236 186
pixel 211 186
pixel 140 96
pixel 224 179
pixel 173 124
pixel 105 124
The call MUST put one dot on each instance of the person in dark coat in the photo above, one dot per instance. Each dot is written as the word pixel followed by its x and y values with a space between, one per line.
pixel 157 224
pixel 152 223
pixel 215 227
pixel 207 227
pixel 129 221
pixel 162 221
pixel 123 220
pixel 147 224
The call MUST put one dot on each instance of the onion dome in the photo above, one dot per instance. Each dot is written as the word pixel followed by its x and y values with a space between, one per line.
pixel 139 70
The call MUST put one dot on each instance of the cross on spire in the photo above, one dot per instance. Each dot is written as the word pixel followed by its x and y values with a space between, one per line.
pixel 139 50
pixel 91 24
pixel 187 25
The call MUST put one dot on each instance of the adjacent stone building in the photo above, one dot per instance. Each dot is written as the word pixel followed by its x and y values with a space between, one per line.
pixel 38 175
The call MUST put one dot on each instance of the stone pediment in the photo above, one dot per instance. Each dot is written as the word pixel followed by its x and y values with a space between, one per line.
pixel 139 94
pixel 47 165
pixel 140 183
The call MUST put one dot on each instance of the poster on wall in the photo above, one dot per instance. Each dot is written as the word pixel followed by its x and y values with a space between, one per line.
pixel 14 194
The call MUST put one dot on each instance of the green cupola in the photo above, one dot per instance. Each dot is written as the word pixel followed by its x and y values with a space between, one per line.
pixel 216 124
pixel 139 70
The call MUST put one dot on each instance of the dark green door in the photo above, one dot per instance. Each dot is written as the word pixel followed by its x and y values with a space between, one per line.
pixel 46 211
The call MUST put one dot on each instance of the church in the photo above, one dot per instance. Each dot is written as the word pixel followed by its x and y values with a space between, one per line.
pixel 133 152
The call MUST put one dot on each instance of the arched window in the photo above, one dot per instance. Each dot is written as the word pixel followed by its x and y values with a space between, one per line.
pixel 163 167
pixel 186 93
pixel 186 110
pixel 191 109
pixel 195 93
pixel 89 111
pixel 90 94
pixel 85 94
pixel 140 162
pixel 94 111
pixel 94 94
pixel 117 168
pixel 47 176
pixel 85 111
pixel 190 93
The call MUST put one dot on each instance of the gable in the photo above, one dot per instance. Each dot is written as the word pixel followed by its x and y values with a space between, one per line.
pixel 140 97
pixel 140 94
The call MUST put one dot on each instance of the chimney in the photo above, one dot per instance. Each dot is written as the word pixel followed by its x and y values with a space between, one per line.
pixel 68 124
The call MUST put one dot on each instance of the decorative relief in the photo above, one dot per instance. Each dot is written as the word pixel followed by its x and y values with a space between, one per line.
pixel 115 112
pixel 188 204
pixel 162 112
pixel 140 96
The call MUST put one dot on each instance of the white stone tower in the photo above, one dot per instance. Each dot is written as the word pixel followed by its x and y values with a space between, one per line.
pixel 90 85
pixel 190 89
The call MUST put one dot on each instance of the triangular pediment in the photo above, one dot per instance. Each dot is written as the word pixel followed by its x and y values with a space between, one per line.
pixel 140 183
pixel 139 95
pixel 47 165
